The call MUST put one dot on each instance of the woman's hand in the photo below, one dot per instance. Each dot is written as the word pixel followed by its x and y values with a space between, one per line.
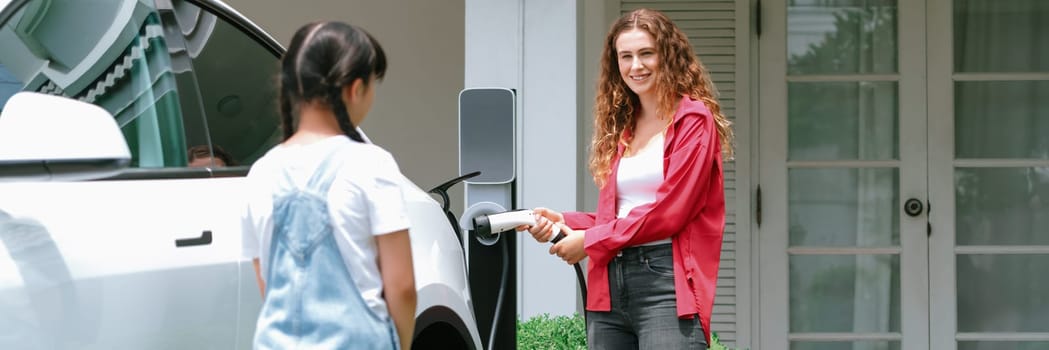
pixel 544 224
pixel 570 249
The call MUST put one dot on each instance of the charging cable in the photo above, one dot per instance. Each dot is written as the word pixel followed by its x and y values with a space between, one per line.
pixel 487 229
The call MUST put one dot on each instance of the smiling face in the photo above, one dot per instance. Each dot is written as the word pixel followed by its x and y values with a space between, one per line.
pixel 638 61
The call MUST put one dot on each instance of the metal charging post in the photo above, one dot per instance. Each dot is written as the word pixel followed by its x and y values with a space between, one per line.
pixel 488 143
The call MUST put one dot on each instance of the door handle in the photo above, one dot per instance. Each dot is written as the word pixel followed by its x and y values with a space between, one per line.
pixel 913 207
pixel 204 239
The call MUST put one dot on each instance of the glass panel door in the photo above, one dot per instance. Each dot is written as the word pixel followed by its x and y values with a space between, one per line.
pixel 843 148
pixel 989 166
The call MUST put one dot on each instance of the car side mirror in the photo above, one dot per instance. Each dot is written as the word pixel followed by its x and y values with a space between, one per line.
pixel 52 138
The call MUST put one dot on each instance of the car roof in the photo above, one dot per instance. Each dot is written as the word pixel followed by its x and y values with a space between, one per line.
pixel 216 6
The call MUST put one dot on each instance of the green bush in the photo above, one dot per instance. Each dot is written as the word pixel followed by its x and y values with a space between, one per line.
pixel 565 332
pixel 552 333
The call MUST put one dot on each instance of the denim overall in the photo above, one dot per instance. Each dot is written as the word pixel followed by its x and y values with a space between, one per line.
pixel 311 299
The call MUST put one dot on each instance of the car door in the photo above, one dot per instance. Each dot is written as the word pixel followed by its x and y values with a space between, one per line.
pixel 144 260
pixel 231 66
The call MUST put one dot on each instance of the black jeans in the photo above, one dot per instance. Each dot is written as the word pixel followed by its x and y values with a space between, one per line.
pixel 644 308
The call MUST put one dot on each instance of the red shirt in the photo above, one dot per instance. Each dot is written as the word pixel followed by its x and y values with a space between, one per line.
pixel 689 208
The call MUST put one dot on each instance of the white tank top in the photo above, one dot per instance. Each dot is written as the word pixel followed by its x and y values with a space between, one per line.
pixel 639 177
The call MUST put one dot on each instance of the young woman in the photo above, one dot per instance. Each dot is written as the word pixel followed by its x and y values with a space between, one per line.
pixel 655 241
pixel 325 222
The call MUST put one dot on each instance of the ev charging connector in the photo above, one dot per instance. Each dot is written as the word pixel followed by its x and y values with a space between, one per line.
pixel 488 227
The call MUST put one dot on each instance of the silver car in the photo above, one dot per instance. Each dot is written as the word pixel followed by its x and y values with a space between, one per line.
pixel 109 238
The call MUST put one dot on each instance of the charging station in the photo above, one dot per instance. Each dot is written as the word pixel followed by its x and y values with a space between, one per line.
pixel 529 51
pixel 488 144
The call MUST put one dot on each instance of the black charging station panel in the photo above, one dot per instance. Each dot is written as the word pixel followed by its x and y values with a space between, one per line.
pixel 486 263
pixel 487 143
pixel 487 134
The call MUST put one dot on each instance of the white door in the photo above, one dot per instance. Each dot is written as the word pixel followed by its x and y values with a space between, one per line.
pixel 989 172
pixel 905 174
pixel 843 131
pixel 95 265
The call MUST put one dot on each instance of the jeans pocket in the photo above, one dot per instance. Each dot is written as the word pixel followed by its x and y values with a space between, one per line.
pixel 660 265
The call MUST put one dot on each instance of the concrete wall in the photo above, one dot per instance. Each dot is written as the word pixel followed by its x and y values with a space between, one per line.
pixel 415 114
pixel 549 157
pixel 532 46
pixel 548 50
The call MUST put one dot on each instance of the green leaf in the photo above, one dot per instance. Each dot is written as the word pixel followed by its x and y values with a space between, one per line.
pixel 716 343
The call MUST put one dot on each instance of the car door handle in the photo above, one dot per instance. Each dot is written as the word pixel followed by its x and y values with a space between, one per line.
pixel 204 239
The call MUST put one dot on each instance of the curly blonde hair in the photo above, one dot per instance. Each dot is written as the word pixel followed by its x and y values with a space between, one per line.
pixel 616 103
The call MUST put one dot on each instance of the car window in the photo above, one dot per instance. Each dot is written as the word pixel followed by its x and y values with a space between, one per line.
pixel 234 78
pixel 178 80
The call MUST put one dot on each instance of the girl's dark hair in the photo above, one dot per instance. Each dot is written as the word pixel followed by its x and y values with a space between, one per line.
pixel 323 58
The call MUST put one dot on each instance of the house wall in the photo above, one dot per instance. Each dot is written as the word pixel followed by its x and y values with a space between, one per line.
pixel 432 68
pixel 415 114
pixel 532 47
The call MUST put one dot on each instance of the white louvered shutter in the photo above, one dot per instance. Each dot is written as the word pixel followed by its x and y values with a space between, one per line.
pixel 711 27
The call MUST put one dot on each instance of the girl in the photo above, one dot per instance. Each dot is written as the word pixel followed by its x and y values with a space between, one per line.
pixel 655 241
pixel 326 223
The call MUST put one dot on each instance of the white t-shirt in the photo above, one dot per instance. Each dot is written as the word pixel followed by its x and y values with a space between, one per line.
pixel 364 200
pixel 638 178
